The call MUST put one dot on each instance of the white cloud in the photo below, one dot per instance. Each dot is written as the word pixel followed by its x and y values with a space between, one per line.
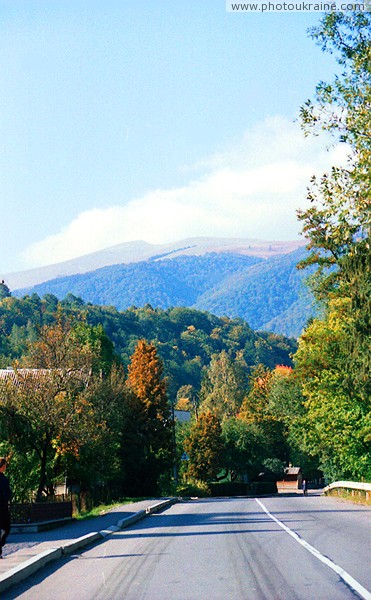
pixel 251 190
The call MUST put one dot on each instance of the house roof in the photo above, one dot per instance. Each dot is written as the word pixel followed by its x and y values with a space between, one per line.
pixel 292 470
pixel 20 376
pixel 13 375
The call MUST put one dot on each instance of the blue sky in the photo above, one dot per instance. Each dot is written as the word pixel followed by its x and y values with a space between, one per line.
pixel 151 119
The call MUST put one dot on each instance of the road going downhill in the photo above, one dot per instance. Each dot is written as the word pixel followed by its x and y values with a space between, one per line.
pixel 229 549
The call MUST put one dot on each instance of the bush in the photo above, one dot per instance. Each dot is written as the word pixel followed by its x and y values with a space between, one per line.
pixel 195 488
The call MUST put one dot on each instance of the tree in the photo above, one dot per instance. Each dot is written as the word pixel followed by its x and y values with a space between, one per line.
pixel 45 412
pixel 255 410
pixel 223 386
pixel 245 447
pixel 339 220
pixel 111 465
pixel 145 379
pixel 285 399
pixel 338 225
pixel 44 409
pixel 204 446
pixel 336 422
pixel 4 290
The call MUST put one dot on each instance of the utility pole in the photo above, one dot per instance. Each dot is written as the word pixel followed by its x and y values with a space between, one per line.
pixel 175 469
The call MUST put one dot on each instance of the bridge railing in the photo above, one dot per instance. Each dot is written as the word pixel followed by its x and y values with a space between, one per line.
pixel 355 487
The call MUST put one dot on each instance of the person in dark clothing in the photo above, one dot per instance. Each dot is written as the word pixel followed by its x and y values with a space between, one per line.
pixel 305 487
pixel 5 497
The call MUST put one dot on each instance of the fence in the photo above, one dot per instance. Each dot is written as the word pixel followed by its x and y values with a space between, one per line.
pixel 36 512
pixel 355 488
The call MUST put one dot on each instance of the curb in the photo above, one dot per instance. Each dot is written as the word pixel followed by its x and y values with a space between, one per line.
pixel 40 526
pixel 30 566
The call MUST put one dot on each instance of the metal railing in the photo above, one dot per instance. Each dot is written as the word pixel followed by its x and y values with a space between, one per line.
pixel 353 486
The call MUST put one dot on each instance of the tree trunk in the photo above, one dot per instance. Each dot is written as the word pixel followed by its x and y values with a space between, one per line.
pixel 42 478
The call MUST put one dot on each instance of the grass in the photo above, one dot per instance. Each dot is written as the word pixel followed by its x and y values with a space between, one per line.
pixel 359 497
pixel 102 509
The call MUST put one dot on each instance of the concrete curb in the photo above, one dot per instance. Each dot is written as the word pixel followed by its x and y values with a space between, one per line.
pixel 40 526
pixel 80 542
pixel 30 566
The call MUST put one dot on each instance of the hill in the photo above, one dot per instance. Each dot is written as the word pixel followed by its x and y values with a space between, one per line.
pixel 266 292
pixel 186 338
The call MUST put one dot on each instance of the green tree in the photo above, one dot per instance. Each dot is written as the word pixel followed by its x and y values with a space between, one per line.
pixel 223 387
pixel 245 447
pixel 111 464
pixel 4 290
pixel 44 409
pixel 45 412
pixel 339 219
pixel 256 411
pixel 204 446
pixel 337 225
pixel 336 422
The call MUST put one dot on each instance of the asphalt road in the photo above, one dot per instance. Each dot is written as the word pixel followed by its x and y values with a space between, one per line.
pixel 311 548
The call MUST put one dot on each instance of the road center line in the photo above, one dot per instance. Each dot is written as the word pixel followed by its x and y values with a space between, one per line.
pixel 339 570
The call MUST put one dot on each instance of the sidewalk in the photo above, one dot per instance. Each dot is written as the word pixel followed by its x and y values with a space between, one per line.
pixel 26 553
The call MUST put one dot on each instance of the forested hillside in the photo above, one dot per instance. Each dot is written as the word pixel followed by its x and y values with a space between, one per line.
pixel 186 338
pixel 267 293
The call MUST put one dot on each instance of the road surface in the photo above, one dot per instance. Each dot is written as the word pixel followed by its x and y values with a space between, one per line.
pixel 289 548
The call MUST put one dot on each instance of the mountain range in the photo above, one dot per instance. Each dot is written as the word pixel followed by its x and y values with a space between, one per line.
pixel 255 280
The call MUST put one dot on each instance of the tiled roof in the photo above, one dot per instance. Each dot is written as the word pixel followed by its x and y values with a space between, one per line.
pixel 19 376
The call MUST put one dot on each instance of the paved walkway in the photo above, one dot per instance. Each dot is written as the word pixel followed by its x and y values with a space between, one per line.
pixel 25 553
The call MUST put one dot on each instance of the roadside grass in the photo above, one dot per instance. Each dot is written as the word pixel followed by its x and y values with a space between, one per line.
pixel 102 509
pixel 357 496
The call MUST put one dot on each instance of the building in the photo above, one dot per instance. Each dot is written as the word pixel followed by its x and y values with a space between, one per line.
pixel 292 479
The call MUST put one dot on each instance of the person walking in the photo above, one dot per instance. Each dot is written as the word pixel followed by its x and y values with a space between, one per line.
pixel 5 497
pixel 304 487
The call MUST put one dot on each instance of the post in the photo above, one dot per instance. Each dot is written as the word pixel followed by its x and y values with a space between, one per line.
pixel 175 470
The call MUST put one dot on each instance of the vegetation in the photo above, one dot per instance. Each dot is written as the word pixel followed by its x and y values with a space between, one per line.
pixel 186 339
pixel 98 411
pixel 334 356
pixel 235 285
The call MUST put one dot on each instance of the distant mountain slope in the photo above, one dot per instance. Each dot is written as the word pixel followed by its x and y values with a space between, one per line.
pixel 267 293
pixel 138 251
pixel 177 282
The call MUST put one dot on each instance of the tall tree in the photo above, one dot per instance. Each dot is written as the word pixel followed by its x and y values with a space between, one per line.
pixel 204 445
pixel 223 387
pixel 111 464
pixel 338 226
pixel 336 423
pixel 256 410
pixel 339 219
pixel 145 379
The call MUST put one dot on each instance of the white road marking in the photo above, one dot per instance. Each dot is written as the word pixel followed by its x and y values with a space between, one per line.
pixel 339 570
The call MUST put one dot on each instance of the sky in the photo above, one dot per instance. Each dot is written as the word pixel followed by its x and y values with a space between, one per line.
pixel 154 120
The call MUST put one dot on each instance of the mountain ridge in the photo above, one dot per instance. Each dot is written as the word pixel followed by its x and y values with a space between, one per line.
pixel 268 293
pixel 139 251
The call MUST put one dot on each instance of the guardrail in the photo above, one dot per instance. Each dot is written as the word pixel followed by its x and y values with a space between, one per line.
pixel 354 486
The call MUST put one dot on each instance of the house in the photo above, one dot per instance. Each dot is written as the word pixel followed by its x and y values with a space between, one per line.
pixel 292 479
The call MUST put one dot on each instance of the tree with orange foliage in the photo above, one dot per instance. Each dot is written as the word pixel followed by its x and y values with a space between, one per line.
pixel 145 379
